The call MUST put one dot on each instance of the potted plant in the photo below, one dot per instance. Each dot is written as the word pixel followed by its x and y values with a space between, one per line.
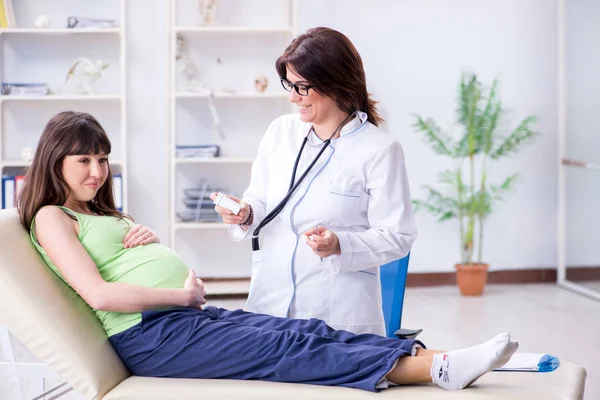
pixel 464 192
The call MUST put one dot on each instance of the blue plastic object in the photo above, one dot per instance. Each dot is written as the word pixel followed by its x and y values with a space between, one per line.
pixel 393 283
pixel 548 363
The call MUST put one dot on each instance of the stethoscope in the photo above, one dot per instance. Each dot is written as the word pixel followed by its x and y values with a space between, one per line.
pixel 294 185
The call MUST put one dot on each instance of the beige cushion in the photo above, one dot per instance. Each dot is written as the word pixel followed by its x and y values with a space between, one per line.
pixel 566 382
pixel 60 329
pixel 50 318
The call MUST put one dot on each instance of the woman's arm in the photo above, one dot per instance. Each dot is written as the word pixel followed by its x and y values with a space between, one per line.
pixel 57 235
pixel 391 217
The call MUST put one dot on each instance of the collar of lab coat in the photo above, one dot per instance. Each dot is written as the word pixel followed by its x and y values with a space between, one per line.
pixel 353 125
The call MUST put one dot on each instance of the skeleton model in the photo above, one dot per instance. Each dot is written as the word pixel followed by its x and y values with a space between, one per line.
pixel 189 71
pixel 84 73
pixel 187 68
pixel 260 83
pixel 208 10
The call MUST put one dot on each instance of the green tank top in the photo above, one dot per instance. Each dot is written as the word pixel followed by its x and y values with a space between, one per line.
pixel 152 265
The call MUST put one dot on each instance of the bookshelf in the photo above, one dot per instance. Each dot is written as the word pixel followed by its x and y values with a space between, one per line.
pixel 241 44
pixel 32 55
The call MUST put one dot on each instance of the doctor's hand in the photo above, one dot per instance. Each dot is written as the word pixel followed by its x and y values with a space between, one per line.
pixel 195 291
pixel 139 235
pixel 322 241
pixel 227 215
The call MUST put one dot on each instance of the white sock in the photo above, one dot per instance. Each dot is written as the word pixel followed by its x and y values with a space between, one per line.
pixel 511 349
pixel 457 369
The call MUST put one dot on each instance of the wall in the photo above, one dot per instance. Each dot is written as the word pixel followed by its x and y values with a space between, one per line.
pixel 582 63
pixel 413 52
pixel 413 56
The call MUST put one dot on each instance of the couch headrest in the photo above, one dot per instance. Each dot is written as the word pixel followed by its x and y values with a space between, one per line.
pixel 50 318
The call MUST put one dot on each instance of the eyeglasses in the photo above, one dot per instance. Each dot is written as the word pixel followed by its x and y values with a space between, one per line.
pixel 302 90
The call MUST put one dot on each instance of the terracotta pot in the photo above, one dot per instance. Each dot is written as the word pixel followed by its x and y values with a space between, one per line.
pixel 471 278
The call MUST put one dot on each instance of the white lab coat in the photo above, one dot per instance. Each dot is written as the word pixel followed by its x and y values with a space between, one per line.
pixel 359 190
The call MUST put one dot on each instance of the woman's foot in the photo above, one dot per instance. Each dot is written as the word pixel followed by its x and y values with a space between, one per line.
pixel 457 369
pixel 510 350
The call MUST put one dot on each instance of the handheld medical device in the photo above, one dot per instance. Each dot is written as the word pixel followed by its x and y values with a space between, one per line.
pixel 225 202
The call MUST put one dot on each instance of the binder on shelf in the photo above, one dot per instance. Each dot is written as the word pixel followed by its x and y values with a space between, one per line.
pixel 11 186
pixel 197 151
pixel 8 192
pixel 118 191
pixel 19 179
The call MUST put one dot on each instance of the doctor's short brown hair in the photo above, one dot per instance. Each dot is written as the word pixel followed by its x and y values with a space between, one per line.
pixel 328 60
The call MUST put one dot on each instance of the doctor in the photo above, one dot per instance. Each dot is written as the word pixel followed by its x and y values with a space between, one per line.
pixel 345 215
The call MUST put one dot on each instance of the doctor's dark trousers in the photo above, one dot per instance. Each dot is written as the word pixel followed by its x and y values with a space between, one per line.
pixel 217 343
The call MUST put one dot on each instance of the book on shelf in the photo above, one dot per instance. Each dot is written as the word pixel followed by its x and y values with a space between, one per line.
pixel 7 16
pixel 11 186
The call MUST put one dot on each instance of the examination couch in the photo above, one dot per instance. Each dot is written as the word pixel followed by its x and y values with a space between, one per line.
pixel 62 331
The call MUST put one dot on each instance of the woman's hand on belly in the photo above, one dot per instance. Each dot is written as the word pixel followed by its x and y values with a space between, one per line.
pixel 139 235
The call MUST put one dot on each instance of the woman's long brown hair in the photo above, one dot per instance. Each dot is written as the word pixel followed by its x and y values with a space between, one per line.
pixel 67 133
pixel 328 60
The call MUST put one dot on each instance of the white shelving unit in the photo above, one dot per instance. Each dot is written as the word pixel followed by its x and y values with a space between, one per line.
pixel 241 44
pixel 31 55
pixel 22 118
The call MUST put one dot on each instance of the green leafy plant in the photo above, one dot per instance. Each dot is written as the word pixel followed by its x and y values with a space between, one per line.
pixel 481 142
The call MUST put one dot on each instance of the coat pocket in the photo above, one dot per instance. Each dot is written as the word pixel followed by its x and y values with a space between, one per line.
pixel 345 200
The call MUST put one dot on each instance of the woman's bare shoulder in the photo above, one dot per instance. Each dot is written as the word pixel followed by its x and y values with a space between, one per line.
pixel 50 216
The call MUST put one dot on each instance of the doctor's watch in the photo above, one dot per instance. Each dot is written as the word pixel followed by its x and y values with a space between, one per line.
pixel 248 220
